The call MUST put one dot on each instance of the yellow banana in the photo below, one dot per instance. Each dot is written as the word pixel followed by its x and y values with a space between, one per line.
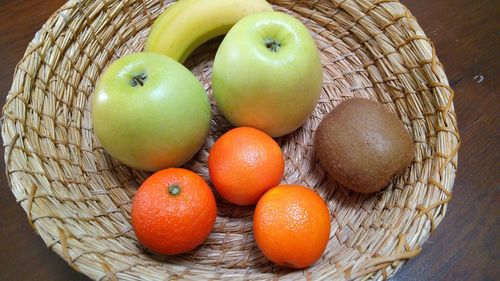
pixel 187 24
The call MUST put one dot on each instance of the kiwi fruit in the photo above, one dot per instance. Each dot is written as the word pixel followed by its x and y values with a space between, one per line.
pixel 362 145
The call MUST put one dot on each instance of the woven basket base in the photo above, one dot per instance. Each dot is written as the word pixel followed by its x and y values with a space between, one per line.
pixel 79 199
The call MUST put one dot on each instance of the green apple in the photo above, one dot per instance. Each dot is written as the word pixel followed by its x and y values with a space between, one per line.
pixel 150 112
pixel 267 73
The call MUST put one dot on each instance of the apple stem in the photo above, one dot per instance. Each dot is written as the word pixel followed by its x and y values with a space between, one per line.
pixel 138 79
pixel 174 189
pixel 272 45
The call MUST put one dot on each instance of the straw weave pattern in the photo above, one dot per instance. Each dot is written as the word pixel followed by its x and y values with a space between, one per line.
pixel 78 199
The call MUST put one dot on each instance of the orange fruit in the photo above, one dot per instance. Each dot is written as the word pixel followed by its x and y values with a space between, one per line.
pixel 291 226
pixel 244 163
pixel 173 211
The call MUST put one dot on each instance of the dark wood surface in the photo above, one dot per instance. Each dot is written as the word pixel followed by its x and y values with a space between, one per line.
pixel 465 246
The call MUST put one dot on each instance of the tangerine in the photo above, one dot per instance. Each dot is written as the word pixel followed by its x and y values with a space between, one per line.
pixel 244 163
pixel 291 226
pixel 173 211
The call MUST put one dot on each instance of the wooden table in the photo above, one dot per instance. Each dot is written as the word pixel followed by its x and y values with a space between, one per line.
pixel 465 246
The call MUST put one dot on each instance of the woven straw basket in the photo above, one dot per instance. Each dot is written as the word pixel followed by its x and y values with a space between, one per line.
pixel 78 198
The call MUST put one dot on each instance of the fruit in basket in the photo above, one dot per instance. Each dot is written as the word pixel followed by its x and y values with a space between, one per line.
pixel 291 226
pixel 244 163
pixel 362 145
pixel 267 73
pixel 173 211
pixel 187 24
pixel 150 112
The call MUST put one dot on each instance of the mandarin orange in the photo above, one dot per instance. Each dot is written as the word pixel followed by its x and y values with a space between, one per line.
pixel 291 225
pixel 244 163
pixel 173 211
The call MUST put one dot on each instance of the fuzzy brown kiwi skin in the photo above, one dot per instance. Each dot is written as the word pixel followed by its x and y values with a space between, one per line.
pixel 362 145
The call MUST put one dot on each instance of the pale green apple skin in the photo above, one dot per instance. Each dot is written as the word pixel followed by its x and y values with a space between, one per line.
pixel 155 126
pixel 271 91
